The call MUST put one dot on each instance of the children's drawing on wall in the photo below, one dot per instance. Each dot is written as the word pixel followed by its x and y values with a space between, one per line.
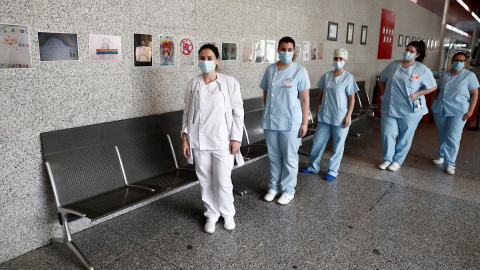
pixel 320 51
pixel 167 50
pixel 229 51
pixel 270 51
pixel 105 48
pixel 15 46
pixel 247 50
pixel 298 51
pixel 57 46
pixel 313 50
pixel 187 55
pixel 306 50
pixel 259 51
pixel 142 49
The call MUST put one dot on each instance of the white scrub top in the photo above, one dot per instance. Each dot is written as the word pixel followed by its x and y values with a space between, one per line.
pixel 336 90
pixel 401 83
pixel 211 132
pixel 283 110
pixel 454 96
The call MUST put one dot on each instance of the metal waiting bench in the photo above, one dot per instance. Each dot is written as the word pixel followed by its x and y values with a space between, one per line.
pixel 101 169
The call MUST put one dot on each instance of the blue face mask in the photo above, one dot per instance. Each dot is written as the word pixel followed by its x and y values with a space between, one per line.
pixel 457 65
pixel 285 57
pixel 408 56
pixel 206 66
pixel 339 64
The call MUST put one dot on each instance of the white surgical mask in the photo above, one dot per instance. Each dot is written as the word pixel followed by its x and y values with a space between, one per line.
pixel 206 66
pixel 339 64
pixel 408 56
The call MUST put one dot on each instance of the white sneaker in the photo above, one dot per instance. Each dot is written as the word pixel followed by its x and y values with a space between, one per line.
pixel 394 167
pixel 438 161
pixel 450 170
pixel 285 199
pixel 210 225
pixel 384 165
pixel 229 223
pixel 270 195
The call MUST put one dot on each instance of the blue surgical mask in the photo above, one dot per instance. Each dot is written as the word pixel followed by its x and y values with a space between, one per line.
pixel 285 57
pixel 206 66
pixel 457 65
pixel 339 64
pixel 408 56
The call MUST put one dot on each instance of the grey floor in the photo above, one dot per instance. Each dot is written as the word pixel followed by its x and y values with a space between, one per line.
pixel 416 218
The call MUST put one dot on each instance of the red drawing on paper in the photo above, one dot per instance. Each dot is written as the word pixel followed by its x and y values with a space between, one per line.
pixel 387 27
pixel 167 48
pixel 186 46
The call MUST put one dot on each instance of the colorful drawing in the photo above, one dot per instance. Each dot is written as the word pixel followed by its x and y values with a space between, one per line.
pixel 143 49
pixel 259 51
pixel 313 50
pixel 167 50
pixel 320 51
pixel 105 48
pixel 229 51
pixel 57 46
pixel 306 50
pixel 15 46
pixel 186 57
pixel 247 50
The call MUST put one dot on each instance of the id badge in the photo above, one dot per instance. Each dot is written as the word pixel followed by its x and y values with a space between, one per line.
pixel 287 84
pixel 414 78
pixel 417 105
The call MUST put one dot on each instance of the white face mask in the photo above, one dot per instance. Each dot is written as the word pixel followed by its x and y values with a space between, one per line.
pixel 339 64
pixel 408 56
pixel 206 66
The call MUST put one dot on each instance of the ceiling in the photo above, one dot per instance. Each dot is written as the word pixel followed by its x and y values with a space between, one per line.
pixel 457 15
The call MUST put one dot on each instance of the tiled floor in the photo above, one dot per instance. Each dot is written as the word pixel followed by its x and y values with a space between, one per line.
pixel 416 218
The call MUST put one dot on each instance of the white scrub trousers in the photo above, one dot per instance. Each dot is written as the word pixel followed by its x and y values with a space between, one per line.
pixel 320 139
pixel 404 129
pixel 449 134
pixel 214 169
pixel 282 149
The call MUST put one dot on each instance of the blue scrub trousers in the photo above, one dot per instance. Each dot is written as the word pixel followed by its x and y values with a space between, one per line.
pixel 320 139
pixel 449 134
pixel 283 155
pixel 404 129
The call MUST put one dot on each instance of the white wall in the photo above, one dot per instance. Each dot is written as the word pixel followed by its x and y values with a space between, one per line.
pixel 59 95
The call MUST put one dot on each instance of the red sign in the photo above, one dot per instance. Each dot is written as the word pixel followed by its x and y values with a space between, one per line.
pixel 387 27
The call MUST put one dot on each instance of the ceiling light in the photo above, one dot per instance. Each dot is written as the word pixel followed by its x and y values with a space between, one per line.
pixel 464 5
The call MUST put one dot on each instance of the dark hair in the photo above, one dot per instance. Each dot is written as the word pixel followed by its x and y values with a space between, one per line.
pixel 420 48
pixel 460 53
pixel 210 47
pixel 288 40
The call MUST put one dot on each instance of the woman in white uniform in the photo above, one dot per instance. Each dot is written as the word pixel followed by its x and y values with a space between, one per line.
pixel 212 130
pixel 334 111
pixel 403 86
pixel 285 86
pixel 454 104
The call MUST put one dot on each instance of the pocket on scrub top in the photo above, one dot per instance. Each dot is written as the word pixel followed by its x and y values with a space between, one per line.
pixel 339 115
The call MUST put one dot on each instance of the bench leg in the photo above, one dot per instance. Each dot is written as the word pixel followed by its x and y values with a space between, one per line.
pixel 238 189
pixel 67 241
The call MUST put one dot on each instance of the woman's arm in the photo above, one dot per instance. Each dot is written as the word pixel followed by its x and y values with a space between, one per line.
pixel 473 103
pixel 351 104
pixel 381 87
pixel 422 92
pixel 236 132
pixel 305 102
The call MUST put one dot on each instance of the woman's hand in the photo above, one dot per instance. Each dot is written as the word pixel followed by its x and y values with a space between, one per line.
pixel 413 96
pixel 234 147
pixel 186 149
pixel 467 115
pixel 303 130
pixel 346 121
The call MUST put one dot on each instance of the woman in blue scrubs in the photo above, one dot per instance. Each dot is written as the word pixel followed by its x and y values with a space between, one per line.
pixel 403 86
pixel 334 110
pixel 454 104
pixel 285 86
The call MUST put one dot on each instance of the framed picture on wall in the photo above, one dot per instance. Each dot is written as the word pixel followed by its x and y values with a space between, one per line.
pixel 414 39
pixel 428 44
pixel 350 30
pixel 400 40
pixel 332 31
pixel 363 35
pixel 407 40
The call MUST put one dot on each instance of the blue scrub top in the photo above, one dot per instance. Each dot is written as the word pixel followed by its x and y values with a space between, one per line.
pixel 454 96
pixel 283 110
pixel 401 83
pixel 336 90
